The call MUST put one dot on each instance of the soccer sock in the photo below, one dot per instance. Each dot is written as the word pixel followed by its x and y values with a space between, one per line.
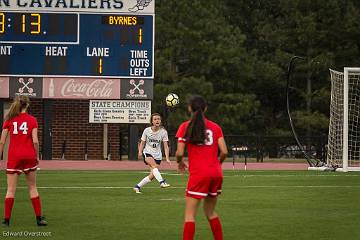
pixel 189 231
pixel 145 181
pixel 157 175
pixel 216 228
pixel 36 205
pixel 9 203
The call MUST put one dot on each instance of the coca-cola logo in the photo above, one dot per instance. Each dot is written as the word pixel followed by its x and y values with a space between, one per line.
pixel 98 88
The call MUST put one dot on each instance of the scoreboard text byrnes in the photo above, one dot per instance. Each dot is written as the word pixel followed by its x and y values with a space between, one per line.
pixel 76 44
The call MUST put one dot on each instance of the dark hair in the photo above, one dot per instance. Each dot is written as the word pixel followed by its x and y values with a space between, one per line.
pixel 20 103
pixel 195 132
pixel 153 115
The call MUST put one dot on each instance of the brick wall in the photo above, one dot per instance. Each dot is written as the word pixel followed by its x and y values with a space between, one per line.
pixel 71 124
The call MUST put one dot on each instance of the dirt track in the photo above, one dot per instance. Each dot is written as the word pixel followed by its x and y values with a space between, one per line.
pixel 139 165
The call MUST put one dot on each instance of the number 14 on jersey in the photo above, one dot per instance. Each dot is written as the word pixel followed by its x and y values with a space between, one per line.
pixel 23 127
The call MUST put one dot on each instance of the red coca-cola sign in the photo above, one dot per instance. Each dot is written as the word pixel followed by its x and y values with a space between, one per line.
pixel 81 88
pixel 4 87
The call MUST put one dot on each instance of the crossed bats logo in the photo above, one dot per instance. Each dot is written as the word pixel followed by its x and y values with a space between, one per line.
pixel 140 5
pixel 136 86
pixel 26 85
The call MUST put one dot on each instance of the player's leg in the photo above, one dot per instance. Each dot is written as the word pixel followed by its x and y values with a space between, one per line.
pixel 213 218
pixel 155 171
pixel 191 207
pixel 209 208
pixel 146 180
pixel 143 182
pixel 12 179
pixel 35 198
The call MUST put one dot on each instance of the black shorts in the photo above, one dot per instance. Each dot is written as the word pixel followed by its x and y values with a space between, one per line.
pixel 158 162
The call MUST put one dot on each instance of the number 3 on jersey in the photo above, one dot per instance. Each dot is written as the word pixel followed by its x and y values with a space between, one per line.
pixel 23 127
pixel 209 137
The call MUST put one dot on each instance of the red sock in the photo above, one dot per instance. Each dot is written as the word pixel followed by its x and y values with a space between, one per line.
pixel 189 231
pixel 216 228
pixel 9 203
pixel 36 205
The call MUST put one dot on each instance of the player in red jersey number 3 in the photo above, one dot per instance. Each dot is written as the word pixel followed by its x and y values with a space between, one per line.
pixel 203 139
pixel 22 155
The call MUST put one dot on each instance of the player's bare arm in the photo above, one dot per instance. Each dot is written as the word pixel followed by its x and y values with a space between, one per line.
pixel 3 139
pixel 167 151
pixel 223 149
pixel 34 135
pixel 180 156
pixel 141 148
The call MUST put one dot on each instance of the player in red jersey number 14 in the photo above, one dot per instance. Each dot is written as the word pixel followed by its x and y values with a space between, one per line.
pixel 23 155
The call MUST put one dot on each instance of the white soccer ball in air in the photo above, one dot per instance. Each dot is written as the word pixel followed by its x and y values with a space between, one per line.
pixel 172 100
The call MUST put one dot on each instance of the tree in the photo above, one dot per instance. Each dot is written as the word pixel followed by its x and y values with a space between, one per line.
pixel 197 50
pixel 237 54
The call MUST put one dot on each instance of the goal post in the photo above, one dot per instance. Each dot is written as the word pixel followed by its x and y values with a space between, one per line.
pixel 344 125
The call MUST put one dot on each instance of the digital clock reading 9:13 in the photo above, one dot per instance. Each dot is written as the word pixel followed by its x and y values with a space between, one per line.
pixel 38 27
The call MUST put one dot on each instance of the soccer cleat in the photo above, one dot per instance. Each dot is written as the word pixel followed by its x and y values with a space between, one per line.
pixel 41 221
pixel 137 189
pixel 6 223
pixel 164 185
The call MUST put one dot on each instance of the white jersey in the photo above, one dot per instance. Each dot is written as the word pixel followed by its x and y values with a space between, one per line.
pixel 153 141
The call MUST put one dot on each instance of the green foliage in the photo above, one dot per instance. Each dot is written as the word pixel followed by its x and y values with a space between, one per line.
pixel 237 52
pixel 315 121
pixel 235 111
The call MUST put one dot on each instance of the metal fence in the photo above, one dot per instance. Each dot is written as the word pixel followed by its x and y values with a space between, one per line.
pixel 260 147
pixel 255 147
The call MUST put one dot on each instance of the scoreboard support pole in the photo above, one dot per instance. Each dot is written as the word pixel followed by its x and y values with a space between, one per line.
pixel 133 141
pixel 47 128
pixel 105 142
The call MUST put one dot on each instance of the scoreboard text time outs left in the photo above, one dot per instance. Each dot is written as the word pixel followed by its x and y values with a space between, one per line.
pixel 76 44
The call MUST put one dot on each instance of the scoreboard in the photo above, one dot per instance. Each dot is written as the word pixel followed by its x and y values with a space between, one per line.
pixel 41 43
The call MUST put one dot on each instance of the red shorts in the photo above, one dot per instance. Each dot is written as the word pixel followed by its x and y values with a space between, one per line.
pixel 21 166
pixel 201 187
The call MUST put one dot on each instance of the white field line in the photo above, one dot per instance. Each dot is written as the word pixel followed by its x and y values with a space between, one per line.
pixel 254 175
pixel 183 187
pixel 121 172
pixel 290 175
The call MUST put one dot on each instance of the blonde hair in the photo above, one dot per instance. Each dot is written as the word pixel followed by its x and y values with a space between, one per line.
pixel 19 104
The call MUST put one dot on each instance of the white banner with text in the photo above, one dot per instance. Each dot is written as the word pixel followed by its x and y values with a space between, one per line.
pixel 119 111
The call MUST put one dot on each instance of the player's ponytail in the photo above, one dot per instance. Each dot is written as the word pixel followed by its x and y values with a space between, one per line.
pixel 195 132
pixel 20 103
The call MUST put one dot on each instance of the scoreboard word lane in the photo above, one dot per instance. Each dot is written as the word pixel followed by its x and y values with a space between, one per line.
pixel 119 111
pixel 76 44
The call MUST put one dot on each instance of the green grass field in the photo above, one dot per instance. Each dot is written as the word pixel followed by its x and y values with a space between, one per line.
pixel 255 205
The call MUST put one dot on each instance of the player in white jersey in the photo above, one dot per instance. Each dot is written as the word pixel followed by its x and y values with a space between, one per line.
pixel 150 151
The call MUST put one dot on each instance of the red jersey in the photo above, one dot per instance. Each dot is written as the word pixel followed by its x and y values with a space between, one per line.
pixel 203 158
pixel 21 145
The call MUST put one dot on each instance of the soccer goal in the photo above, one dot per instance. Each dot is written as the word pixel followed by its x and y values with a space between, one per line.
pixel 343 152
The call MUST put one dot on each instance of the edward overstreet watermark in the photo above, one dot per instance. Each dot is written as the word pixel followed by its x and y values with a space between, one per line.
pixel 26 234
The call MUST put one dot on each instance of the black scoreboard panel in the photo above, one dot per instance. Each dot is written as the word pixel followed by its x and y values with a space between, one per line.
pixel 76 44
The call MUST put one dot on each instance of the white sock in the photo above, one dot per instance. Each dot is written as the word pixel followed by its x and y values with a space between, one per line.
pixel 157 175
pixel 145 181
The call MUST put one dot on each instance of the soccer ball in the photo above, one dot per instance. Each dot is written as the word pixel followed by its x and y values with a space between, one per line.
pixel 172 100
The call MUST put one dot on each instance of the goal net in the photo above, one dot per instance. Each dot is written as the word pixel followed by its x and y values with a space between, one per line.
pixel 344 127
